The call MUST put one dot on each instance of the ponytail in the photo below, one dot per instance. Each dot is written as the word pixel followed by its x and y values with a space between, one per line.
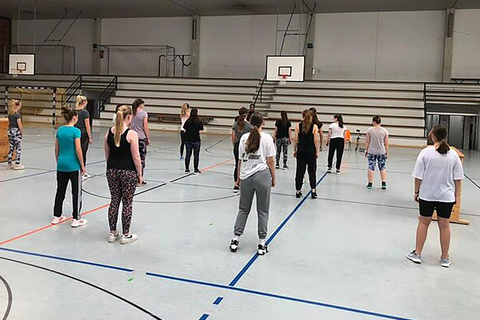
pixel 79 100
pixel 253 141
pixel 443 148
pixel 306 121
pixel 13 106
pixel 68 113
pixel 122 113
pixel 440 134
pixel 242 114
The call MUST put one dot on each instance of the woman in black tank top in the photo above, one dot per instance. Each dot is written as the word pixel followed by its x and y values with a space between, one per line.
pixel 124 171
pixel 306 149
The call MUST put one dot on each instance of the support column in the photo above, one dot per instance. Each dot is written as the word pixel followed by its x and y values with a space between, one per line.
pixel 195 47
pixel 97 41
pixel 448 48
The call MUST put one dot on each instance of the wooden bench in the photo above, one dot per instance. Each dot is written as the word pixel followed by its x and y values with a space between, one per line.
pixel 170 118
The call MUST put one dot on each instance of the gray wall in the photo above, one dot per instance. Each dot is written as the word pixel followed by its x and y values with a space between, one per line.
pixel 466 44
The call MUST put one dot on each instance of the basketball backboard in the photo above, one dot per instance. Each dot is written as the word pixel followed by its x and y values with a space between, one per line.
pixel 286 68
pixel 21 64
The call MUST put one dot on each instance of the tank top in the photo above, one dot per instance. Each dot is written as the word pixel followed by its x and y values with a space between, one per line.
pixel 120 157
pixel 306 140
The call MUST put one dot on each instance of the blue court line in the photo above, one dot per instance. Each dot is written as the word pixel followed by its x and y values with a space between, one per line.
pixel 217 302
pixel 274 234
pixel 214 285
pixel 204 316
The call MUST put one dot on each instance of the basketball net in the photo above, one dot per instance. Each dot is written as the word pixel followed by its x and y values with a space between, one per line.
pixel 283 80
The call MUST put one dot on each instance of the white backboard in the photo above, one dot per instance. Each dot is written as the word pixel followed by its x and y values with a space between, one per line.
pixel 21 64
pixel 291 66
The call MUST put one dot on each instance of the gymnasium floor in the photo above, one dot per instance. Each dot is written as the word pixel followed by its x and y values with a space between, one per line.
pixel 341 256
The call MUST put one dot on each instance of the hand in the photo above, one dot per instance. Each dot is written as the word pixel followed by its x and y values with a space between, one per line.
pixel 83 170
pixel 321 148
pixel 289 141
pixel 140 178
pixel 295 154
pixel 416 198
pixel 316 155
pixel 326 144
pixel 366 154
pixel 90 140
pixel 148 141
pixel 237 183
pixel 273 182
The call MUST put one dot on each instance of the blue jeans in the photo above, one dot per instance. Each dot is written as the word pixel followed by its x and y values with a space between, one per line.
pixel 195 146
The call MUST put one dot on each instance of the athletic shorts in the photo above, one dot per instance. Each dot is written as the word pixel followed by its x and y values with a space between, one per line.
pixel 444 209
pixel 373 159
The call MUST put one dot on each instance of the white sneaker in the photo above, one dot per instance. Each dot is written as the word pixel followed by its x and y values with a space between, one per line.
pixel 262 249
pixel 57 220
pixel 112 237
pixel 79 223
pixel 127 239
pixel 445 262
pixel 18 167
pixel 416 258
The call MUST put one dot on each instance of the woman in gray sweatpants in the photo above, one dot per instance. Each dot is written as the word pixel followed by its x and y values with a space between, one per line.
pixel 257 176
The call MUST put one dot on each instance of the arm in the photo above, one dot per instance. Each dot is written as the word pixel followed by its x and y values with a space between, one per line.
pixel 147 131
pixel 418 182
pixel 367 143
pixel 386 145
pixel 56 150
pixel 275 134
pixel 106 148
pixel 271 166
pixel 458 187
pixel 328 137
pixel 238 172
pixel 295 140
pixel 233 136
pixel 20 125
pixel 132 137
pixel 320 133
pixel 78 151
pixel 89 129
pixel 289 135
pixel 316 140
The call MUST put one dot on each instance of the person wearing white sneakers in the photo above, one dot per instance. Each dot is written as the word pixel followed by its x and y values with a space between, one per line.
pixel 438 174
pixel 83 124
pixel 124 172
pixel 70 167
pixel 15 132
pixel 336 142
pixel 184 115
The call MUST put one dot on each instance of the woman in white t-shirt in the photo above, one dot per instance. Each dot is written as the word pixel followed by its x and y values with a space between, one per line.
pixel 376 151
pixel 438 173
pixel 336 141
pixel 184 115
pixel 257 176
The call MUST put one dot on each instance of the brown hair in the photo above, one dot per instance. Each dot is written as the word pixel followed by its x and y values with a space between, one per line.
pixel 307 121
pixel 68 113
pixel 183 112
pixel 13 106
pixel 377 119
pixel 136 103
pixel 440 133
pixel 242 114
pixel 253 141
pixel 339 118
pixel 122 113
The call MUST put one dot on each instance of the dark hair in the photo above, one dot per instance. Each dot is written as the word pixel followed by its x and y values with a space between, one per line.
pixel 251 105
pixel 284 116
pixel 253 141
pixel 137 103
pixel 440 133
pixel 68 113
pixel 194 116
pixel 339 117
pixel 377 119
pixel 242 114
pixel 313 113
pixel 307 120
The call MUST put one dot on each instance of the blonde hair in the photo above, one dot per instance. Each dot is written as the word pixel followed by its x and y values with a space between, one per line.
pixel 79 100
pixel 13 106
pixel 183 112
pixel 122 113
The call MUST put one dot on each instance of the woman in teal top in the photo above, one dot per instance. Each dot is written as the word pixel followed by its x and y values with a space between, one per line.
pixel 70 167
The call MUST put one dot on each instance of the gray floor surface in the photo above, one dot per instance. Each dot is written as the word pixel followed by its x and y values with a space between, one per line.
pixel 341 256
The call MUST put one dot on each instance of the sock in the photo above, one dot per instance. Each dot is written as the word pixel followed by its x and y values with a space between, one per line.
pixel 262 242
pixel 235 237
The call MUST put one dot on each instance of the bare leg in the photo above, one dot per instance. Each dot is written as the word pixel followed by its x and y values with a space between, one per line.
pixel 422 230
pixel 383 175
pixel 444 226
pixel 370 176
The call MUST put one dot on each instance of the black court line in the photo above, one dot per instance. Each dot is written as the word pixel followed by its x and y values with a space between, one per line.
pixel 471 180
pixel 10 298
pixel 85 283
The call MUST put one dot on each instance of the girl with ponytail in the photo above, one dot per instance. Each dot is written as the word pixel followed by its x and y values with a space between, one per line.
pixel 257 176
pixel 282 138
pixel 83 124
pixel 15 133
pixel 240 127
pixel 306 148
pixel 336 141
pixel 438 174
pixel 124 172
pixel 184 115
pixel 140 125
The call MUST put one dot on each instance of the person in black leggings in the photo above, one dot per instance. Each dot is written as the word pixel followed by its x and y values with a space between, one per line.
pixel 306 147
pixel 336 142
pixel 193 127
pixel 240 127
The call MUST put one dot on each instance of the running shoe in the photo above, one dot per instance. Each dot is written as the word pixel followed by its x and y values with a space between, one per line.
pixel 127 239
pixel 112 237
pixel 277 166
pixel 384 186
pixel 298 194
pixel 416 258
pixel 369 185
pixel 262 249
pixel 79 223
pixel 57 220
pixel 337 172
pixel 182 158
pixel 233 245
pixel 187 170
pixel 314 194
pixel 236 189
pixel 445 262
pixel 18 167
pixel 197 171
pixel 285 167
pixel 329 170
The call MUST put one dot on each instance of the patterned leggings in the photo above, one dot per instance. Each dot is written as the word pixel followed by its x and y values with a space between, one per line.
pixel 122 185
pixel 15 142
pixel 142 146
pixel 282 142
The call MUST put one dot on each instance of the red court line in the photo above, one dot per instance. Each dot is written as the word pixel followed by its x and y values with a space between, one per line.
pixel 88 212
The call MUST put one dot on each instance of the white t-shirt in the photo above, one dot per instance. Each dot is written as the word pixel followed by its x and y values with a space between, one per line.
pixel 337 132
pixel 255 162
pixel 438 172
pixel 183 119
pixel 377 140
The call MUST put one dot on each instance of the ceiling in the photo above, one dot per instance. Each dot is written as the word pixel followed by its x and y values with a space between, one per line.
pixel 56 9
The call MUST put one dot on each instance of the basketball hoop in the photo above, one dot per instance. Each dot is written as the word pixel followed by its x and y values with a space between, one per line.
pixel 283 80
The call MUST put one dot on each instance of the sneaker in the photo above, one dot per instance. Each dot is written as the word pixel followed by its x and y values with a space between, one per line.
pixel 182 158
pixel 57 220
pixel 187 170
pixel 18 167
pixel 337 172
pixel 369 185
pixel 285 167
pixel 197 171
pixel 139 184
pixel 112 237
pixel 79 223
pixel 314 194
pixel 144 182
pixel 277 166
pixel 298 194
pixel 416 258
pixel 329 170
pixel 127 239
pixel 262 249
pixel 384 186
pixel 233 245
pixel 236 189
pixel 445 262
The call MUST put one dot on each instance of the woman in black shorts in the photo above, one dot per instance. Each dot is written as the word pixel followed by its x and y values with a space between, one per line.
pixel 438 173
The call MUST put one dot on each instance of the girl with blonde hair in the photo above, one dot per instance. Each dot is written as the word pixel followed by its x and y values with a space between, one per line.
pixel 184 115
pixel 83 124
pixel 15 132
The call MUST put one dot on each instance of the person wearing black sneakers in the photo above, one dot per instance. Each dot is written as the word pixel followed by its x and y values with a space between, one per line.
pixel 376 151
pixel 336 142
pixel 257 177
pixel 193 127
pixel 240 127
pixel 306 148
pixel 282 139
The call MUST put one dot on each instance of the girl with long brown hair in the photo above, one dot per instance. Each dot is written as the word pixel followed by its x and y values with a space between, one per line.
pixel 306 148
pixel 193 127
pixel 240 127
pixel 140 125
pixel 257 176
pixel 282 138
pixel 124 171
pixel 336 142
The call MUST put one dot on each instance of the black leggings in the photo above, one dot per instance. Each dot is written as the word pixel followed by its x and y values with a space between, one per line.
pixel 182 144
pixel 195 147
pixel 235 154
pixel 84 141
pixel 306 158
pixel 62 182
pixel 336 144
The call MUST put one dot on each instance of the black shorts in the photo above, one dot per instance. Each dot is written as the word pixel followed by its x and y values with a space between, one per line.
pixel 444 209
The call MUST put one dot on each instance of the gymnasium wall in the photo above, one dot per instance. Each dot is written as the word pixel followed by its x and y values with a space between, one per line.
pixel 466 44
pixel 380 46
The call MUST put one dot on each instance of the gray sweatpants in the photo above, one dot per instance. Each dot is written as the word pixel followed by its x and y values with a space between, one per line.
pixel 260 184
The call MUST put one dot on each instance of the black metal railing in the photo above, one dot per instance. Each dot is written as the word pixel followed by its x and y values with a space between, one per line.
pixel 107 93
pixel 73 89
pixel 260 91
pixel 173 60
